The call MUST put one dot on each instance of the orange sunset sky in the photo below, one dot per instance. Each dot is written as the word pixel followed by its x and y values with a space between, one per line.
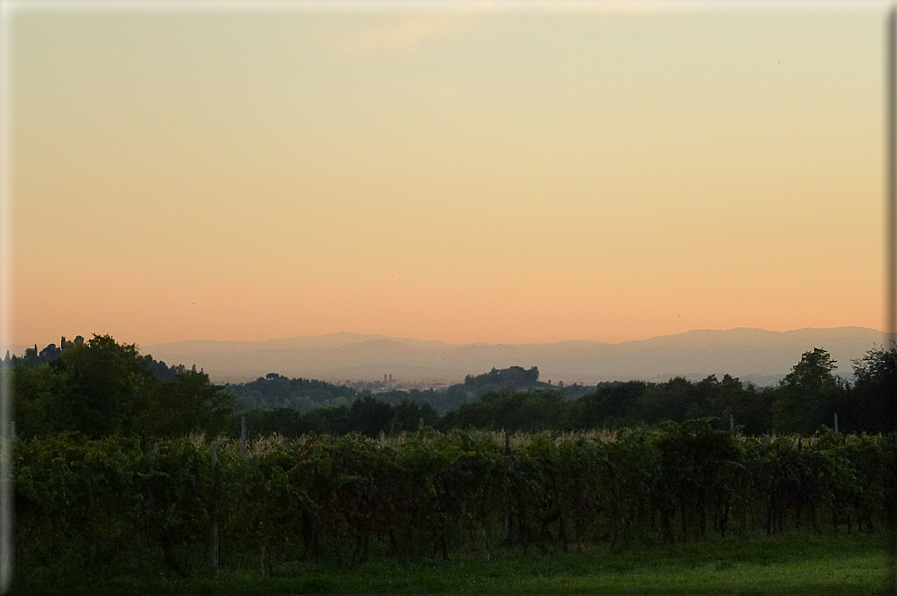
pixel 496 172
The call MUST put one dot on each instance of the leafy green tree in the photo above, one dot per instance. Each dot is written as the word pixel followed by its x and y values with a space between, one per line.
pixel 408 415
pixel 370 417
pixel 873 406
pixel 40 396
pixel 101 388
pixel 612 405
pixel 537 411
pixel 807 394
pixel 333 420
pixel 109 385
pixel 752 409
pixel 511 411
pixel 667 401
pixel 189 403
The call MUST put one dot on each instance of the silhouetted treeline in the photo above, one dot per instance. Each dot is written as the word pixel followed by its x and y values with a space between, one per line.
pixel 367 416
pixel 276 391
pixel 805 401
pixel 514 377
pixel 99 388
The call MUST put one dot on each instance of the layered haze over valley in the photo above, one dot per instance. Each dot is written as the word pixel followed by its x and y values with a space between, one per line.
pixel 753 355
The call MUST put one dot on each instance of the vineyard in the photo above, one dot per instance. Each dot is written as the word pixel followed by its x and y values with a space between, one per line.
pixel 188 506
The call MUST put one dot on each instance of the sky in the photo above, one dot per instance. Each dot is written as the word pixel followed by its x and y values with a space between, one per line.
pixel 477 172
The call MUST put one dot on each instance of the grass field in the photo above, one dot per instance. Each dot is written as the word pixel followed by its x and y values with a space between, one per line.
pixel 793 564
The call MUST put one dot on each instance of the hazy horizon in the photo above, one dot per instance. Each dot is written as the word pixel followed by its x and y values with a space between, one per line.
pixel 754 355
pixel 143 345
pixel 511 174
pixel 572 340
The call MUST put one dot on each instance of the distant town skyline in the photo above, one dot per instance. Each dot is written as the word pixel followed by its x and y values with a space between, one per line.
pixel 521 174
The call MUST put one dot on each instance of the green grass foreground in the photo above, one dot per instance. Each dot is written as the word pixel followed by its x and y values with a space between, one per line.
pixel 792 564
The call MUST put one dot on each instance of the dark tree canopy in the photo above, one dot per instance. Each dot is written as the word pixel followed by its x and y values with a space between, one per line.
pixel 875 389
pixel 807 394
pixel 100 388
pixel 515 377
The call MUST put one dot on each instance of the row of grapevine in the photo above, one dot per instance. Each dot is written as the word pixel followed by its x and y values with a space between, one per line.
pixel 124 506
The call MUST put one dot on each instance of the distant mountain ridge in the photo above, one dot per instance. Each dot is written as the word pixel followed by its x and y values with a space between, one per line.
pixel 754 355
